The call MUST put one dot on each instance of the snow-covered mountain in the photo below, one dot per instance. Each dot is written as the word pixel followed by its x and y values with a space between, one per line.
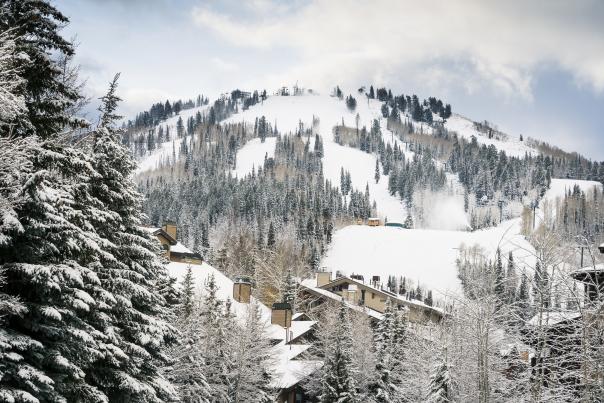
pixel 425 256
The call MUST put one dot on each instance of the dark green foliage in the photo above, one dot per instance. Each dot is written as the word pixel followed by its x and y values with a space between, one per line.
pixel 49 94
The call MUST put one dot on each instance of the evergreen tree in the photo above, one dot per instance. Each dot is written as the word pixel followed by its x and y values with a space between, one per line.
pixel 51 88
pixel 187 294
pixel 408 222
pixel 440 384
pixel 383 389
pixel 351 103
pixel 270 239
pixel 499 276
pixel 187 370
pixel 377 170
pixel 338 383
pixel 130 263
pixel 290 290
pixel 385 111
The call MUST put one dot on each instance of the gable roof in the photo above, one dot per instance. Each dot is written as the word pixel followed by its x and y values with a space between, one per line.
pixel 160 231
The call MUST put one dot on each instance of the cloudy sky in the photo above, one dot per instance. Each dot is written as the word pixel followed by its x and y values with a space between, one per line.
pixel 531 67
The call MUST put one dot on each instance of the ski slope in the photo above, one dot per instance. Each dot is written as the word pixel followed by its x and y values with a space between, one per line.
pixel 558 188
pixel 286 112
pixel 424 256
pixel 164 151
pixel 465 128
pixel 251 155
pixel 428 256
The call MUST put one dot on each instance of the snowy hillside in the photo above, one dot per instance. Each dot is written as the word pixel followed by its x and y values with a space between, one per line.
pixel 465 128
pixel 428 256
pixel 287 368
pixel 424 256
pixel 287 111
pixel 252 154
pixel 164 150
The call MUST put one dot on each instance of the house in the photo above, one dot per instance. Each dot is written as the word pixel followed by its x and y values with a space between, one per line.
pixel 174 250
pixel 290 334
pixel 373 222
pixel 560 336
pixel 369 297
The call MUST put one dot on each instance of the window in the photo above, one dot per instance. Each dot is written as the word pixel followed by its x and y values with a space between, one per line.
pixel 372 295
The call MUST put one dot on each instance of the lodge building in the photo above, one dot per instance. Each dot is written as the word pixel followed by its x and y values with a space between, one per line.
pixel 174 250
pixel 370 297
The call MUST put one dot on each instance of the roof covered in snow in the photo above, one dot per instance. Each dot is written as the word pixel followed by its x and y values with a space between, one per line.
pixel 287 369
pixel 309 284
pixel 554 318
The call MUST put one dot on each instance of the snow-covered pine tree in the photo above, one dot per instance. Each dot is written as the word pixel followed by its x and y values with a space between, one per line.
pixel 216 331
pixel 187 294
pixel 440 384
pixel 187 369
pixel 129 268
pixel 46 260
pixel 408 222
pixel 290 290
pixel 337 383
pixel 384 334
pixel 249 376
pixel 49 96
pixel 270 238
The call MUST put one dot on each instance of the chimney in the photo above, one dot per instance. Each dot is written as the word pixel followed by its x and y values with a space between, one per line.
pixel 242 290
pixel 170 228
pixel 323 277
pixel 281 314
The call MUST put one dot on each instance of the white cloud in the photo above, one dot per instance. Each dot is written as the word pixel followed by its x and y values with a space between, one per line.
pixel 223 65
pixel 477 43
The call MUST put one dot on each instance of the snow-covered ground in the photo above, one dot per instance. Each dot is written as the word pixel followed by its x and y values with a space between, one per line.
pixel 252 154
pixel 465 128
pixel 287 111
pixel 287 370
pixel 424 256
pixel 164 150
pixel 558 188
pixel 428 256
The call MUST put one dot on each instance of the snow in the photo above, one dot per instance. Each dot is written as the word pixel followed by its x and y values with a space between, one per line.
pixel 290 372
pixel 555 317
pixel 287 111
pixel 202 273
pixel 427 255
pixel 286 370
pixel 180 248
pixel 164 150
pixel 251 155
pixel 310 284
pixel 558 188
pixel 465 128
pixel 423 255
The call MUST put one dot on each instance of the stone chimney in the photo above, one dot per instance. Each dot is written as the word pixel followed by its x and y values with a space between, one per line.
pixel 323 277
pixel 170 228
